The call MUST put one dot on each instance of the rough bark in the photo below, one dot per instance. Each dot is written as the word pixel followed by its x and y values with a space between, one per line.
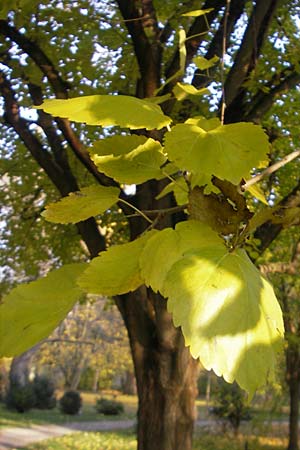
pixel 293 381
pixel 165 372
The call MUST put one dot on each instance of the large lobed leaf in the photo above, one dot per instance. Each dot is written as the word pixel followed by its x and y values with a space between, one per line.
pixel 88 202
pixel 228 313
pixel 108 110
pixel 30 312
pixel 129 159
pixel 226 151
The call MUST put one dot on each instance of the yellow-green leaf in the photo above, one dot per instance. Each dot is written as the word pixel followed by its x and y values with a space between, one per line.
pixel 203 63
pixel 169 245
pixel 88 202
pixel 228 313
pixel 117 270
pixel 258 193
pixel 30 312
pixel 226 151
pixel 180 190
pixel 108 110
pixel 182 90
pixel 129 159
pixel 197 12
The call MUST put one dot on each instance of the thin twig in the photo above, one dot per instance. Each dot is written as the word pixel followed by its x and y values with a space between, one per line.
pixel 267 172
pixel 136 209
pixel 224 45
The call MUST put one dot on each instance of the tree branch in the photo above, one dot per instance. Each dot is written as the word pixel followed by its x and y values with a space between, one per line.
pixel 60 88
pixel 268 231
pixel 141 23
pixel 200 79
pixel 195 36
pixel 62 178
pixel 262 102
pixel 249 50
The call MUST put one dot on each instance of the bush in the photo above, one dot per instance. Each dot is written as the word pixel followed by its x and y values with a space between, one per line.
pixel 44 393
pixel 21 398
pixel 70 402
pixel 109 407
pixel 230 405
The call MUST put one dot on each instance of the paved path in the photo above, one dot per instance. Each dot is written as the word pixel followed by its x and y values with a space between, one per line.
pixel 12 438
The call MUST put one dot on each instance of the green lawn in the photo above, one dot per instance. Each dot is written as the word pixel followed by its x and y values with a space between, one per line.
pixel 127 441
pixel 88 413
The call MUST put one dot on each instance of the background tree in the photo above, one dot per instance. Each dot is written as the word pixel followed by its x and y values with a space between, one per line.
pixel 61 48
pixel 92 341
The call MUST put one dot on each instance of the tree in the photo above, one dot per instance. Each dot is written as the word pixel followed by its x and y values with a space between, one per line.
pixel 91 337
pixel 148 57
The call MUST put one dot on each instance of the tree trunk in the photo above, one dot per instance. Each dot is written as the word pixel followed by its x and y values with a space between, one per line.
pixel 129 383
pixel 20 367
pixel 293 381
pixel 95 380
pixel 165 372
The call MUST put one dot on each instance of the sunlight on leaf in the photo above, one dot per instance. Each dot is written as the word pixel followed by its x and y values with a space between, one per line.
pixel 228 313
pixel 180 190
pixel 197 12
pixel 88 202
pixel 203 63
pixel 169 245
pixel 233 150
pixel 108 110
pixel 129 159
pixel 30 312
pixel 182 90
pixel 258 193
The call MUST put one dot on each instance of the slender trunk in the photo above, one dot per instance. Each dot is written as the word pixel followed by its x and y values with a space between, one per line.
pixel 294 387
pixel 78 373
pixel 293 381
pixel 165 372
pixel 95 380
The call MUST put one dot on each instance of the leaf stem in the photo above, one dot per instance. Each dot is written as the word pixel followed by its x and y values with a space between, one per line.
pixel 271 169
pixel 136 209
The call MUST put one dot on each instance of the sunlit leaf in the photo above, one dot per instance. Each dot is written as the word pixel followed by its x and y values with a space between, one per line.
pixel 30 312
pixel 88 202
pixel 182 50
pixel 108 110
pixel 129 159
pixel 258 193
pixel 182 90
pixel 227 151
pixel 203 63
pixel 169 245
pixel 197 12
pixel 228 313
pixel 117 270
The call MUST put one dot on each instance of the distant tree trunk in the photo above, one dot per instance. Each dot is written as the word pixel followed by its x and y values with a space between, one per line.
pixel 95 380
pixel 166 374
pixel 293 381
pixel 129 383
pixel 77 375
pixel 20 367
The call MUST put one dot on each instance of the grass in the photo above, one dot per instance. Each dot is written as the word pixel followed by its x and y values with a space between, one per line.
pixel 88 414
pixel 127 441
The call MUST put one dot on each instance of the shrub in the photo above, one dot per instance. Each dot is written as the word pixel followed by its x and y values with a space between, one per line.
pixel 230 405
pixel 70 402
pixel 109 407
pixel 21 398
pixel 44 393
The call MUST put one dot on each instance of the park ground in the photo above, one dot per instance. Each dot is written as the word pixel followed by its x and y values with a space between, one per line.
pixel 91 431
